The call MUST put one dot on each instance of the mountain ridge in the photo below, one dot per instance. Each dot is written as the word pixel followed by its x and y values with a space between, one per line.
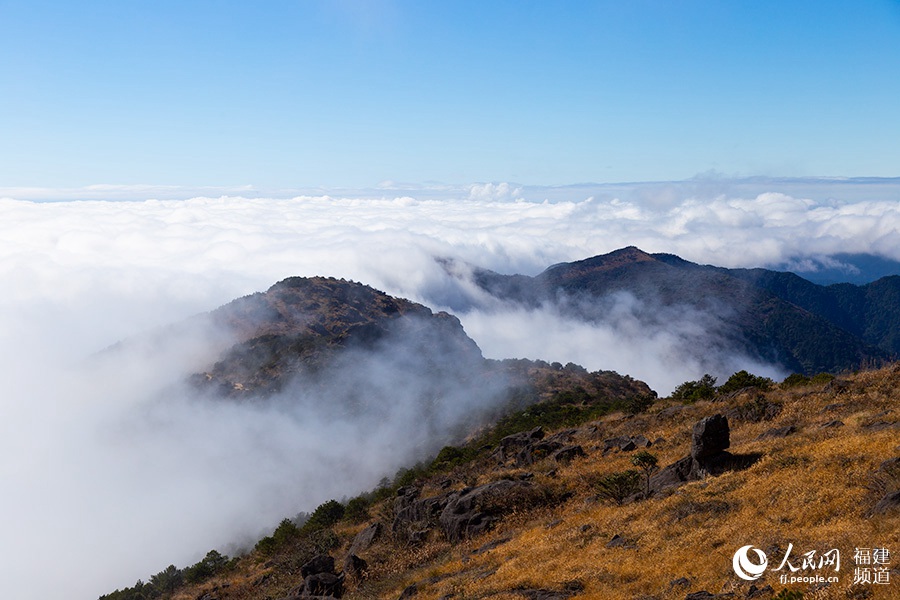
pixel 777 317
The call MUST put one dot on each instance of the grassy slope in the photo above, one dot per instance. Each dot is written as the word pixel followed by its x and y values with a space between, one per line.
pixel 813 489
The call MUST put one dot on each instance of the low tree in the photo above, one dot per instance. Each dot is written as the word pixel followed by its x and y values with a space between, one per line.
pixel 168 580
pixel 648 463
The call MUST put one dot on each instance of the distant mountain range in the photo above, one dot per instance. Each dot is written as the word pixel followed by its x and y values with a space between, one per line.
pixel 778 317
pixel 858 269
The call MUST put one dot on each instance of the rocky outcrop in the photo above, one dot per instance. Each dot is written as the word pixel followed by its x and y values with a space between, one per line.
pixel 709 438
pixel 472 511
pixel 890 503
pixel 528 447
pixel 777 432
pixel 319 581
pixel 365 538
pixel 458 514
pixel 626 443
pixel 355 567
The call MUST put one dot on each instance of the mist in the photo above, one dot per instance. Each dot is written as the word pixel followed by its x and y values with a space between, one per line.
pixel 113 468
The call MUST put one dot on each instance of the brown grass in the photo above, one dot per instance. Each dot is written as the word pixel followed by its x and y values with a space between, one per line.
pixel 813 489
pixel 810 489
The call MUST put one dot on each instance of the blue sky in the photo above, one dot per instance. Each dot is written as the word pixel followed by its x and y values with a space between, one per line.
pixel 352 93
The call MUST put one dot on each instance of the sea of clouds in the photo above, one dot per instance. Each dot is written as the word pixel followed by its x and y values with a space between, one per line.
pixel 111 471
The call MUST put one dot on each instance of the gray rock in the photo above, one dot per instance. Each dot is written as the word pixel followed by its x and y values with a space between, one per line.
pixel 418 515
pixel 890 503
pixel 763 593
pixel 622 443
pixel 365 538
pixel 355 567
pixel 534 452
pixel 318 564
pixel 777 432
pixel 472 511
pixel 323 584
pixel 568 453
pixel 710 436
pixel 673 475
pixel 641 441
pixel 511 445
pixel 618 541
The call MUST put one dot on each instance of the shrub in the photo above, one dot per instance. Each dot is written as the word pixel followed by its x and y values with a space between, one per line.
pixel 357 509
pixel 619 486
pixel 285 532
pixel 638 404
pixel 211 564
pixel 821 378
pixel 325 515
pixel 743 379
pixel 691 391
pixel 265 546
pixel 794 380
pixel 451 456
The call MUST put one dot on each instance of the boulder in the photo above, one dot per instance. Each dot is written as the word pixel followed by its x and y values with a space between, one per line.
pixel 673 475
pixel 709 437
pixel 641 441
pixel 323 584
pixel 623 443
pixel 413 517
pixel 319 580
pixel 889 503
pixel 534 452
pixel 355 567
pixel 512 444
pixel 618 541
pixel 777 432
pixel 365 538
pixel 472 511
pixel 568 453
pixel 318 564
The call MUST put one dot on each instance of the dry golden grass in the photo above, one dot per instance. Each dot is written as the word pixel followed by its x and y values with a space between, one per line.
pixel 813 489
pixel 810 489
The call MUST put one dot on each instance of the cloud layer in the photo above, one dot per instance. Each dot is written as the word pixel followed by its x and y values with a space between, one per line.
pixel 81 445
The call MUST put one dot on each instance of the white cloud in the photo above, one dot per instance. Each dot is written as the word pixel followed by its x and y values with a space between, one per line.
pixel 77 452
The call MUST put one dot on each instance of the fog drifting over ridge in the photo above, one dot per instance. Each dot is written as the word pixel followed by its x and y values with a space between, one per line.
pixel 110 482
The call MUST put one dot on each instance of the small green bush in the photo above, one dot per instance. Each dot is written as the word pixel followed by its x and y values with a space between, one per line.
pixel 451 456
pixel 619 486
pixel 821 378
pixel 691 391
pixel 325 515
pixel 743 379
pixel 795 380
pixel 357 509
